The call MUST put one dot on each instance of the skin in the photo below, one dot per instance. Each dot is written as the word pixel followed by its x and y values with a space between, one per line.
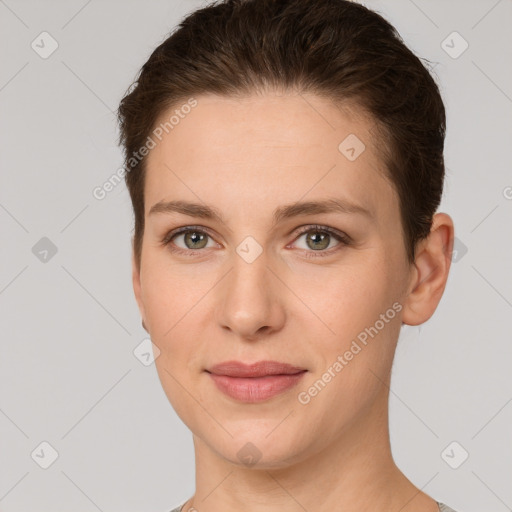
pixel 247 157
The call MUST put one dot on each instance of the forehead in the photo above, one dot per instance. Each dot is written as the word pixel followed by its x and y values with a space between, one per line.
pixel 278 148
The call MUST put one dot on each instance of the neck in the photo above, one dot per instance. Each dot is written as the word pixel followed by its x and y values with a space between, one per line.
pixel 356 472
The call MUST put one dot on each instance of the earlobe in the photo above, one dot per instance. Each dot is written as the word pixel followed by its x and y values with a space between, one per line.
pixel 430 273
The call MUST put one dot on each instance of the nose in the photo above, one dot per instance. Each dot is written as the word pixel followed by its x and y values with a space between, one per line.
pixel 249 302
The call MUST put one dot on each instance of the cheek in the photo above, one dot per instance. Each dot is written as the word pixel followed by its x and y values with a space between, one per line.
pixel 359 304
pixel 347 298
pixel 175 298
pixel 170 293
pixel 173 307
pixel 344 298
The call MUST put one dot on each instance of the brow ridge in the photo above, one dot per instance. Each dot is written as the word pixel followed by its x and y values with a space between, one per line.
pixel 331 205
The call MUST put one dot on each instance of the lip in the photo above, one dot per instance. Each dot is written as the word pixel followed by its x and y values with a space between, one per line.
pixel 258 369
pixel 255 382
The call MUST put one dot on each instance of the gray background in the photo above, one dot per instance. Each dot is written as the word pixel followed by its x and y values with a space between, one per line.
pixel 69 320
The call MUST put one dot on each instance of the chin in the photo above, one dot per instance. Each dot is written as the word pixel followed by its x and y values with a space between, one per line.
pixel 258 450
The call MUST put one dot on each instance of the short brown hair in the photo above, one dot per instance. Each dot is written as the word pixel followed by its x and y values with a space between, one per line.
pixel 337 49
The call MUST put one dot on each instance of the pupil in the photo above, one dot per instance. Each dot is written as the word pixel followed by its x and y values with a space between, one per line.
pixel 195 237
pixel 322 238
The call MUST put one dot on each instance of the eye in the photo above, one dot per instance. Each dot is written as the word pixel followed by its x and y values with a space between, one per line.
pixel 319 239
pixel 187 240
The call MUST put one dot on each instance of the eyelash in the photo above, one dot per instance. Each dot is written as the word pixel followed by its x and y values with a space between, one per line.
pixel 344 240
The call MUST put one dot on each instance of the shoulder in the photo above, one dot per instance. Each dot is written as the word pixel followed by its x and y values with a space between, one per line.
pixel 442 508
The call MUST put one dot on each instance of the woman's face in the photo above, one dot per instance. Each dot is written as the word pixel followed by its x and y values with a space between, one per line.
pixel 268 281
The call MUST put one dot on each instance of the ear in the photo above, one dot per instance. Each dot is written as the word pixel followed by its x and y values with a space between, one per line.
pixel 430 273
pixel 137 286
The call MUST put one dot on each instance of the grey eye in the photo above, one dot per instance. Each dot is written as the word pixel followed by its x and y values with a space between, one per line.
pixel 317 240
pixel 193 239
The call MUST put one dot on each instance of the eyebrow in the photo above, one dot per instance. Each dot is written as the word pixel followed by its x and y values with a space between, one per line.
pixel 281 213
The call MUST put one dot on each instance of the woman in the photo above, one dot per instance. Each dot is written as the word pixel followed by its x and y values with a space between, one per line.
pixel 285 163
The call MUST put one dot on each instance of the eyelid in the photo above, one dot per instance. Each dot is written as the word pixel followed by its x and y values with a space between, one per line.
pixel 166 242
pixel 318 227
pixel 184 229
pixel 342 237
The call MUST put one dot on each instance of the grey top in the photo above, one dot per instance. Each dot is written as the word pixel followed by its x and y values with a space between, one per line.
pixel 442 507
